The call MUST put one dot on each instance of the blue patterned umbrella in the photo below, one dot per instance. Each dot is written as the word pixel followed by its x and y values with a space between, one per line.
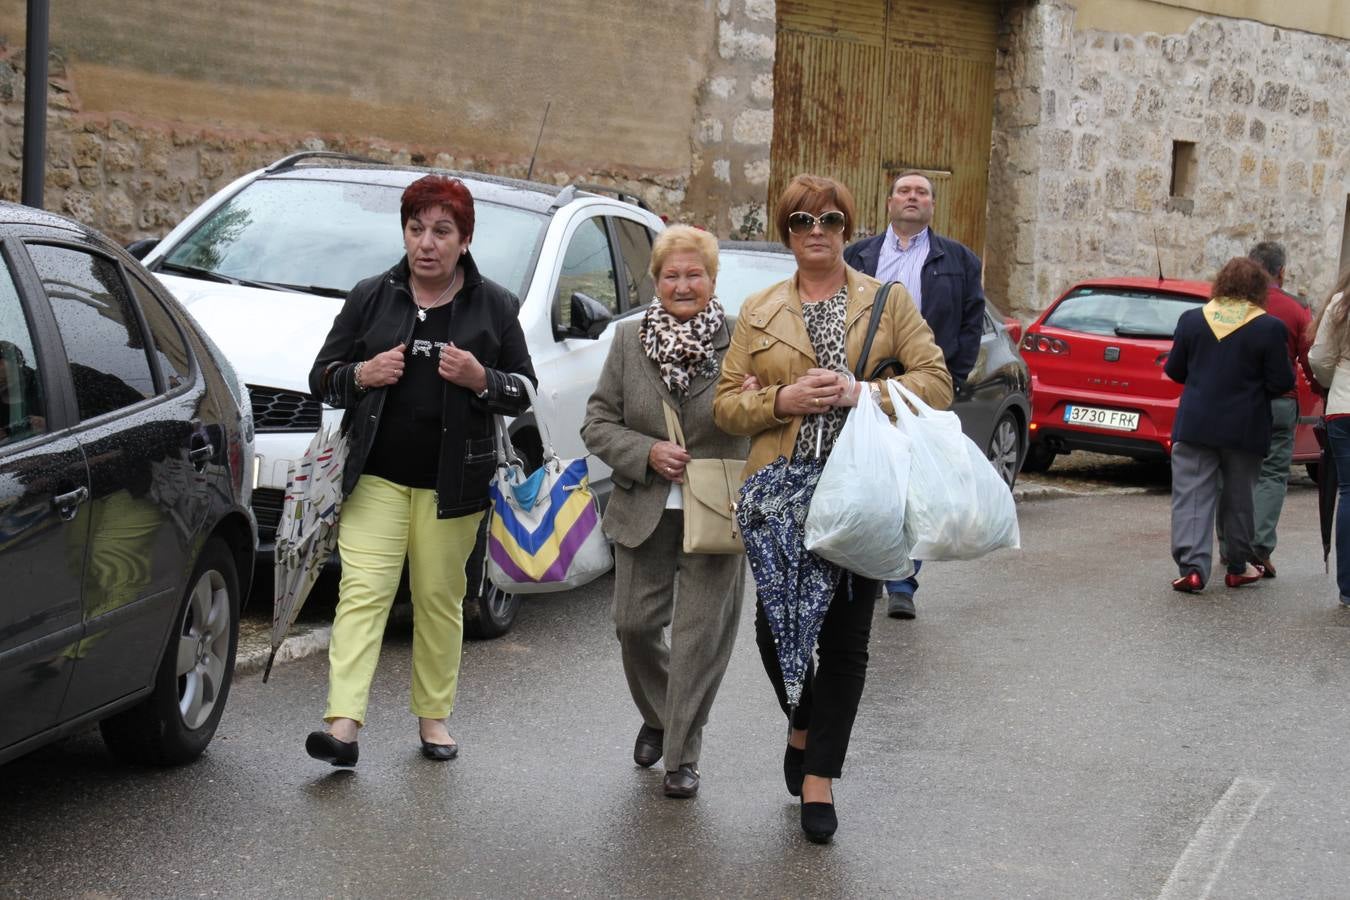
pixel 794 585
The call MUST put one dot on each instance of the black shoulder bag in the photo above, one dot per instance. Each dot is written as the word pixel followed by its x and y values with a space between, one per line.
pixel 878 308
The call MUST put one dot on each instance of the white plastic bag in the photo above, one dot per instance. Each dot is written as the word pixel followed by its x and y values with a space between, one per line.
pixel 958 507
pixel 857 515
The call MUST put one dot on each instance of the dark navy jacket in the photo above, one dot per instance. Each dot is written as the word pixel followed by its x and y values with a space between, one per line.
pixel 953 297
pixel 1229 383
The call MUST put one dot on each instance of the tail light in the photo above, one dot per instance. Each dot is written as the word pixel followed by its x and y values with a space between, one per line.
pixel 1040 343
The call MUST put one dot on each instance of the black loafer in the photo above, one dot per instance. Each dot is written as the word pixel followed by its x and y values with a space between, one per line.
pixel 793 775
pixel 439 752
pixel 682 783
pixel 819 822
pixel 647 748
pixel 323 746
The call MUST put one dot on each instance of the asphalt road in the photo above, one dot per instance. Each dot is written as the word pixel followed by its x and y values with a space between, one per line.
pixel 1056 723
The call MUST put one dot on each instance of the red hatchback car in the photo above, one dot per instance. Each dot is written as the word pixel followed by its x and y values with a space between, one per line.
pixel 1096 358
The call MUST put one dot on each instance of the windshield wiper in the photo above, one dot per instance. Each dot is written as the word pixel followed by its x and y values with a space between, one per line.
pixel 1126 331
pixel 208 275
pixel 195 272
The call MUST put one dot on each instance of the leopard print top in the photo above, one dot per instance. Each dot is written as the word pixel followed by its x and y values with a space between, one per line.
pixel 825 327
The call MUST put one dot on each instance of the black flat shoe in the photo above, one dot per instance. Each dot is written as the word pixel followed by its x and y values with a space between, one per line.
pixel 647 748
pixel 819 822
pixel 682 783
pixel 323 746
pixel 439 752
pixel 793 760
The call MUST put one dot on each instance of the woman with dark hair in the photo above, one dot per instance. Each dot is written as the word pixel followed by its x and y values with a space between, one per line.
pixel 786 385
pixel 1329 359
pixel 420 357
pixel 1232 359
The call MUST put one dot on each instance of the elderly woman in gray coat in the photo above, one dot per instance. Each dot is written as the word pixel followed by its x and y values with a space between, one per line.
pixel 671 356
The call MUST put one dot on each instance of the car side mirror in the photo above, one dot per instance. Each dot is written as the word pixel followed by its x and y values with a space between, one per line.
pixel 141 248
pixel 590 317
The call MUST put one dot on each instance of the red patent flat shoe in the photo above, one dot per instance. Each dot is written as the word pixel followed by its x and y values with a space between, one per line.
pixel 1189 583
pixel 1239 580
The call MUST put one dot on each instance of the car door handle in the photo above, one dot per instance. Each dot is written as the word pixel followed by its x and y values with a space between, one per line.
pixel 200 456
pixel 68 504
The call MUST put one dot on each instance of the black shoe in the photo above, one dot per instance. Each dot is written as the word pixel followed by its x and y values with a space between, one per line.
pixel 647 747
pixel 793 760
pixel 900 606
pixel 682 783
pixel 439 752
pixel 819 822
pixel 322 745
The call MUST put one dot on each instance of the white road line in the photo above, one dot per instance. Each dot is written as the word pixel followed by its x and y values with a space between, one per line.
pixel 1197 870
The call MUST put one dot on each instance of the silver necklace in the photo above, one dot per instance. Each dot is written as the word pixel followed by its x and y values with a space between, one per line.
pixel 422 310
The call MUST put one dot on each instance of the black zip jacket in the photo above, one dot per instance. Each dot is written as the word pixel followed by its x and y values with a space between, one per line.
pixel 379 314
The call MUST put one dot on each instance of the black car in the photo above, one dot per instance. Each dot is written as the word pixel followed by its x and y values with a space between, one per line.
pixel 992 403
pixel 125 530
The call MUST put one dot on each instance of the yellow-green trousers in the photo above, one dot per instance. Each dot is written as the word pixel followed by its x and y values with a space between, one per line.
pixel 382 523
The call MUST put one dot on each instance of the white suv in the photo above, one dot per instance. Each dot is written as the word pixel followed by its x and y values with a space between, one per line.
pixel 264 264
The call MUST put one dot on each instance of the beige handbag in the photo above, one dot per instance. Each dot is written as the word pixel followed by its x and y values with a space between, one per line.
pixel 711 490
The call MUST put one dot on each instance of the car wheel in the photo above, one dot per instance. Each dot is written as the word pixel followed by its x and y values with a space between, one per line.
pixel 1039 458
pixel 1005 446
pixel 489 612
pixel 176 721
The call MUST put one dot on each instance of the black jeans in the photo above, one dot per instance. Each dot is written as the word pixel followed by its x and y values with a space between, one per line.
pixel 833 687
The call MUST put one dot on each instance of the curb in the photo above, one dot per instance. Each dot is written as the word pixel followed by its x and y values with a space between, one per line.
pixel 297 646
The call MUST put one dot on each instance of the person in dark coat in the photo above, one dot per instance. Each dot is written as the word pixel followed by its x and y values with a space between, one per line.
pixel 420 357
pixel 1231 357
pixel 943 277
pixel 1273 482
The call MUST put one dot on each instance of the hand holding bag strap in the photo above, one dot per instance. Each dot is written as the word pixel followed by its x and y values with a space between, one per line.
pixel 673 429
pixel 878 307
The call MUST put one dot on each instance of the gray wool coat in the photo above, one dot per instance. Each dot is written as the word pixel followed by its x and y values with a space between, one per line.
pixel 624 418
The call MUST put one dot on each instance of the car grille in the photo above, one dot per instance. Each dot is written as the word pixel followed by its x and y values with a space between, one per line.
pixel 278 410
pixel 267 503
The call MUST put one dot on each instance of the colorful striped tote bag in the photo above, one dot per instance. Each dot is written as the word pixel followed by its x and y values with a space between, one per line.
pixel 544 532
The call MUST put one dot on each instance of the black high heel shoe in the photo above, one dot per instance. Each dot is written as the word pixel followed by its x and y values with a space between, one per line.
pixel 793 760
pixel 323 746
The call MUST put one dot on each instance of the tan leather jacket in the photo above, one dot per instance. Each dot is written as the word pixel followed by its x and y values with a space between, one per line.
pixel 771 343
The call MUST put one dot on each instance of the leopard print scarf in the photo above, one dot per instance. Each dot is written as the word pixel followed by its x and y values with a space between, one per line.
pixel 681 349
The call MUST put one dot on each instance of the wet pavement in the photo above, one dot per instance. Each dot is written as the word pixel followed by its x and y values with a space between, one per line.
pixel 1056 723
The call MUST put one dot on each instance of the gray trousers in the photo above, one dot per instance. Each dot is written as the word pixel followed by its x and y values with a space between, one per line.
pixel 1196 492
pixel 698 596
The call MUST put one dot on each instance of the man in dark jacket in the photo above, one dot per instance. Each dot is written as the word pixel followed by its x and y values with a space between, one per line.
pixel 1273 481
pixel 943 277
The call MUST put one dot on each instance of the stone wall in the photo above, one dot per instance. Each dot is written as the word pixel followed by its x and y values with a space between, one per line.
pixel 734 125
pixel 1085 122
pixel 150 114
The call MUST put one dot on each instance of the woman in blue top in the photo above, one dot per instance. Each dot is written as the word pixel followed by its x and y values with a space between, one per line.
pixel 1232 359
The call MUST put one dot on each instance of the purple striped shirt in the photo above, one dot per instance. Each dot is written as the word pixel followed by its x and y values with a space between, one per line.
pixel 904 264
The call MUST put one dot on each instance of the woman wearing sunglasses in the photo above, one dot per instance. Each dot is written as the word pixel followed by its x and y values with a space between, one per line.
pixel 786 384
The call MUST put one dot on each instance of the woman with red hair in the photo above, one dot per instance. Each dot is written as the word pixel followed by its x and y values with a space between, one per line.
pixel 420 357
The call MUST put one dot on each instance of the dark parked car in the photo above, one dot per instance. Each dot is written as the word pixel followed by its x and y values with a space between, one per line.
pixel 992 403
pixel 125 530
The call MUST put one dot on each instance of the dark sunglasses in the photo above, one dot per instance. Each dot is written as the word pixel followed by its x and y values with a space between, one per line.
pixel 803 222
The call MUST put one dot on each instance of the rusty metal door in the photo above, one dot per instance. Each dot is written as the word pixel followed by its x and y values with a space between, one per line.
pixel 865 89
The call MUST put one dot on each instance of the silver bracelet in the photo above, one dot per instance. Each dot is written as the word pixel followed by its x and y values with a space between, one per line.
pixel 356 377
